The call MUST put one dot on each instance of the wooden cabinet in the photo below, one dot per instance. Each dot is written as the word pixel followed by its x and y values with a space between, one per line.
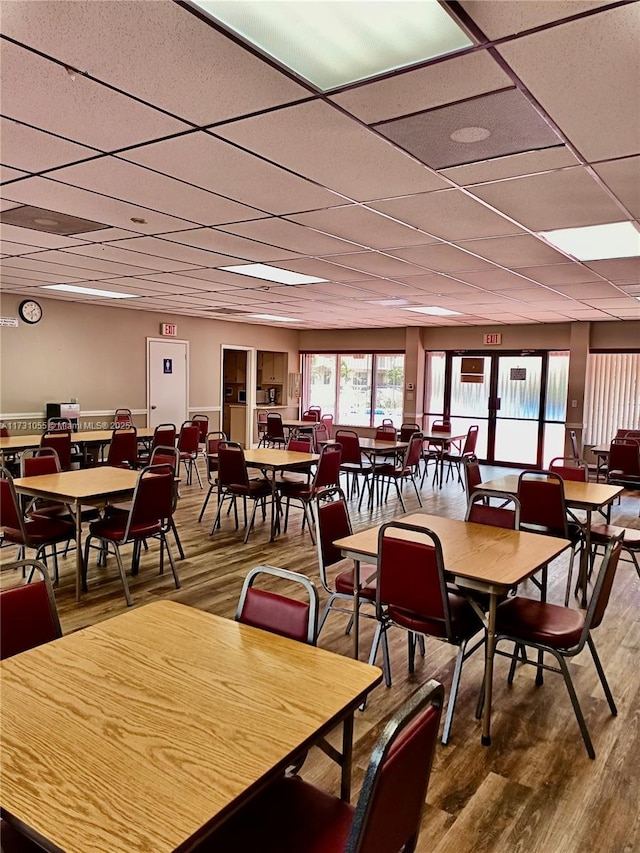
pixel 272 368
pixel 235 366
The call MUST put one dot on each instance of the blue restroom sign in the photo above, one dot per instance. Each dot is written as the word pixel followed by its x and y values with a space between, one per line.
pixel 168 365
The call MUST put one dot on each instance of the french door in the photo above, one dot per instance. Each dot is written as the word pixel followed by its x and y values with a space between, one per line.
pixel 518 400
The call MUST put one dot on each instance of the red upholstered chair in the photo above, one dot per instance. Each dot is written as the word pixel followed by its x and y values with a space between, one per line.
pixel 481 511
pixel 561 632
pixel 332 523
pixel 433 452
pixel 353 464
pixel 164 435
pixel 406 469
pixel 386 432
pixel 624 463
pixel 189 447
pixel 311 416
pixel 274 436
pixel 471 473
pixel 212 443
pixel 28 613
pixel 570 468
pixel 60 440
pixel 170 456
pixel 122 418
pixel 294 816
pixel 320 436
pixel 278 613
pixel 317 409
pixel 327 420
pixel 234 483
pixel 412 593
pixel 38 533
pixel 203 426
pixel 602 534
pixel 262 427
pixel 327 476
pixel 468 449
pixel 407 430
pixel 123 448
pixel 152 503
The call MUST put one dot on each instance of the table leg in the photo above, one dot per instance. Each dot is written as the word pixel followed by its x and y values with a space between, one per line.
pixel 490 649
pixel 347 752
pixel 274 492
pixel 583 573
pixel 79 561
pixel 356 609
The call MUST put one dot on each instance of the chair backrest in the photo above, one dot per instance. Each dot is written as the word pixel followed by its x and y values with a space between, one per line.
pixel 10 512
pixel 232 470
pixel 59 425
pixel 327 420
pixel 28 613
pixel 388 422
pixel 60 440
pixel 123 449
pixel 153 498
pixel 166 456
pixel 570 468
pixel 386 432
pixel 122 418
pixel 311 415
pixel 542 504
pixel 317 409
pixel 275 428
pixel 574 444
pixel 262 420
pixel 470 441
pixel 301 442
pixel 350 441
pixel 164 435
pixel 441 426
pixel 332 522
pixel 320 434
pixel 624 457
pixel 604 582
pixel 413 453
pixel 481 511
pixel 39 460
pixel 278 613
pixel 203 426
pixel 328 470
pixel 411 575
pixel 407 430
pixel 213 441
pixel 189 438
pixel 472 475
pixel 389 809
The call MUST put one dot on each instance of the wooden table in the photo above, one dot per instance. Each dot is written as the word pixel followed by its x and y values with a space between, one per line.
pixel 272 459
pixel 479 557
pixel 16 443
pixel 442 440
pixel 88 486
pixel 601 452
pixel 577 495
pixel 148 730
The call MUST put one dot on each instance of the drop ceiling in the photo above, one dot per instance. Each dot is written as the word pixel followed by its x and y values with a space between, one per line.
pixel 194 152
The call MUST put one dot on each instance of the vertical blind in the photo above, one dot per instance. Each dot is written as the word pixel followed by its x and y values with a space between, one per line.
pixel 612 395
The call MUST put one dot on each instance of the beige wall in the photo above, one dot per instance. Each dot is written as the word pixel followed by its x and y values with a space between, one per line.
pixel 349 340
pixel 98 355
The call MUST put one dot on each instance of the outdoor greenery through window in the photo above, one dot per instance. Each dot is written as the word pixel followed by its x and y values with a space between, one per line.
pixel 357 389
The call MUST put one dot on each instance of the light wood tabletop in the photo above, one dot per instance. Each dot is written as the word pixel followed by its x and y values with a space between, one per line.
pixel 478 556
pixel 143 730
pixel 88 486
pixel 16 443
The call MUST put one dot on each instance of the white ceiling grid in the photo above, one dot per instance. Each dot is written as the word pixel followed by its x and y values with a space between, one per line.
pixel 197 153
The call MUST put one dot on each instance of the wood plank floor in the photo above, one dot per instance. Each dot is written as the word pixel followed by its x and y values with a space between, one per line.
pixel 534 790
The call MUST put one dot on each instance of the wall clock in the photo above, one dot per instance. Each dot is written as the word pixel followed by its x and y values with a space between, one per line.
pixel 30 311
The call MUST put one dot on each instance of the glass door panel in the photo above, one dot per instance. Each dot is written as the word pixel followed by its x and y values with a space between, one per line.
pixel 517 405
pixel 470 394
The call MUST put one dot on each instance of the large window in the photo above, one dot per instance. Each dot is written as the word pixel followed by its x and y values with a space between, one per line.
pixel 358 389
pixel 612 395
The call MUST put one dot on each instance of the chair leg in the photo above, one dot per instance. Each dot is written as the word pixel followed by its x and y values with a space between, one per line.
pixel 451 706
pixel 253 515
pixel 325 613
pixel 216 521
pixel 386 660
pixel 308 514
pixel 415 486
pixel 576 705
pixel 602 676
pixel 123 577
pixel 194 462
pixel 206 501
pixel 399 493
pixel 165 542
pixel 411 648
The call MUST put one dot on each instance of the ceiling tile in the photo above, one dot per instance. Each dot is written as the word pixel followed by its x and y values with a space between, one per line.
pixel 623 179
pixel 229 244
pixel 362 225
pixel 105 235
pixel 11 268
pixel 497 18
pixel 549 200
pixel 376 263
pixel 120 254
pixel 175 251
pixel 512 166
pixel 34 151
pixel 620 302
pixel 7 174
pixel 518 251
pixel 536 294
pixel 497 279
pixel 39 264
pixel 321 269
pixel 119 179
pixel 442 258
pixel 317 141
pixel 36 238
pixel 80 110
pixel 617 269
pixel 439 284
pixel 289 236
pixel 552 274
pixel 186 283
pixel 54 196
pixel 9 248
pixel 138 47
pixel 589 290
pixel 453 79
pixel 450 215
pixel 205 161
pixel 72 261
pixel 592 57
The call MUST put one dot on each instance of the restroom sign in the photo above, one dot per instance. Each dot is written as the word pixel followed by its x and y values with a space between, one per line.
pixel 167 365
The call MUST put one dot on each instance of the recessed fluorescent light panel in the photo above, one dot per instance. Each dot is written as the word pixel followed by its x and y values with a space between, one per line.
pixel 597 242
pixel 273 274
pixel 273 318
pixel 90 291
pixel 436 312
pixel 331 44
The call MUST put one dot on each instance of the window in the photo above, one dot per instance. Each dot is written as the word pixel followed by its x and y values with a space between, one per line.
pixel 358 389
pixel 612 395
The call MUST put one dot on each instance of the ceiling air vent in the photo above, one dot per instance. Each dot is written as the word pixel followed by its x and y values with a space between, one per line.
pixel 37 219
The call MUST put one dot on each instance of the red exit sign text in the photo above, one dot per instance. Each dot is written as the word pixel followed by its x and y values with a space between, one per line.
pixel 495 338
pixel 169 329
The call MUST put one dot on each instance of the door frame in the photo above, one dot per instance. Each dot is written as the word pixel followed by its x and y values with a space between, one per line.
pixel 251 378
pixel 166 340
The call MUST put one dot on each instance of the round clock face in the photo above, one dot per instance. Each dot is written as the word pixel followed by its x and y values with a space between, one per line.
pixel 30 311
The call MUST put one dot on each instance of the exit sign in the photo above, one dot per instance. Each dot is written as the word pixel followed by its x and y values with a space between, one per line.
pixel 492 340
pixel 168 329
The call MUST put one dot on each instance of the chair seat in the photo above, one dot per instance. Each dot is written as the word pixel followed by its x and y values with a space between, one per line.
pixel 388 470
pixel 540 622
pixel 113 528
pixel 356 468
pixel 344 582
pixel 601 534
pixel 64 513
pixel 255 489
pixel 291 816
pixel 576 533
pixel 42 530
pixel 465 622
pixel 296 489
